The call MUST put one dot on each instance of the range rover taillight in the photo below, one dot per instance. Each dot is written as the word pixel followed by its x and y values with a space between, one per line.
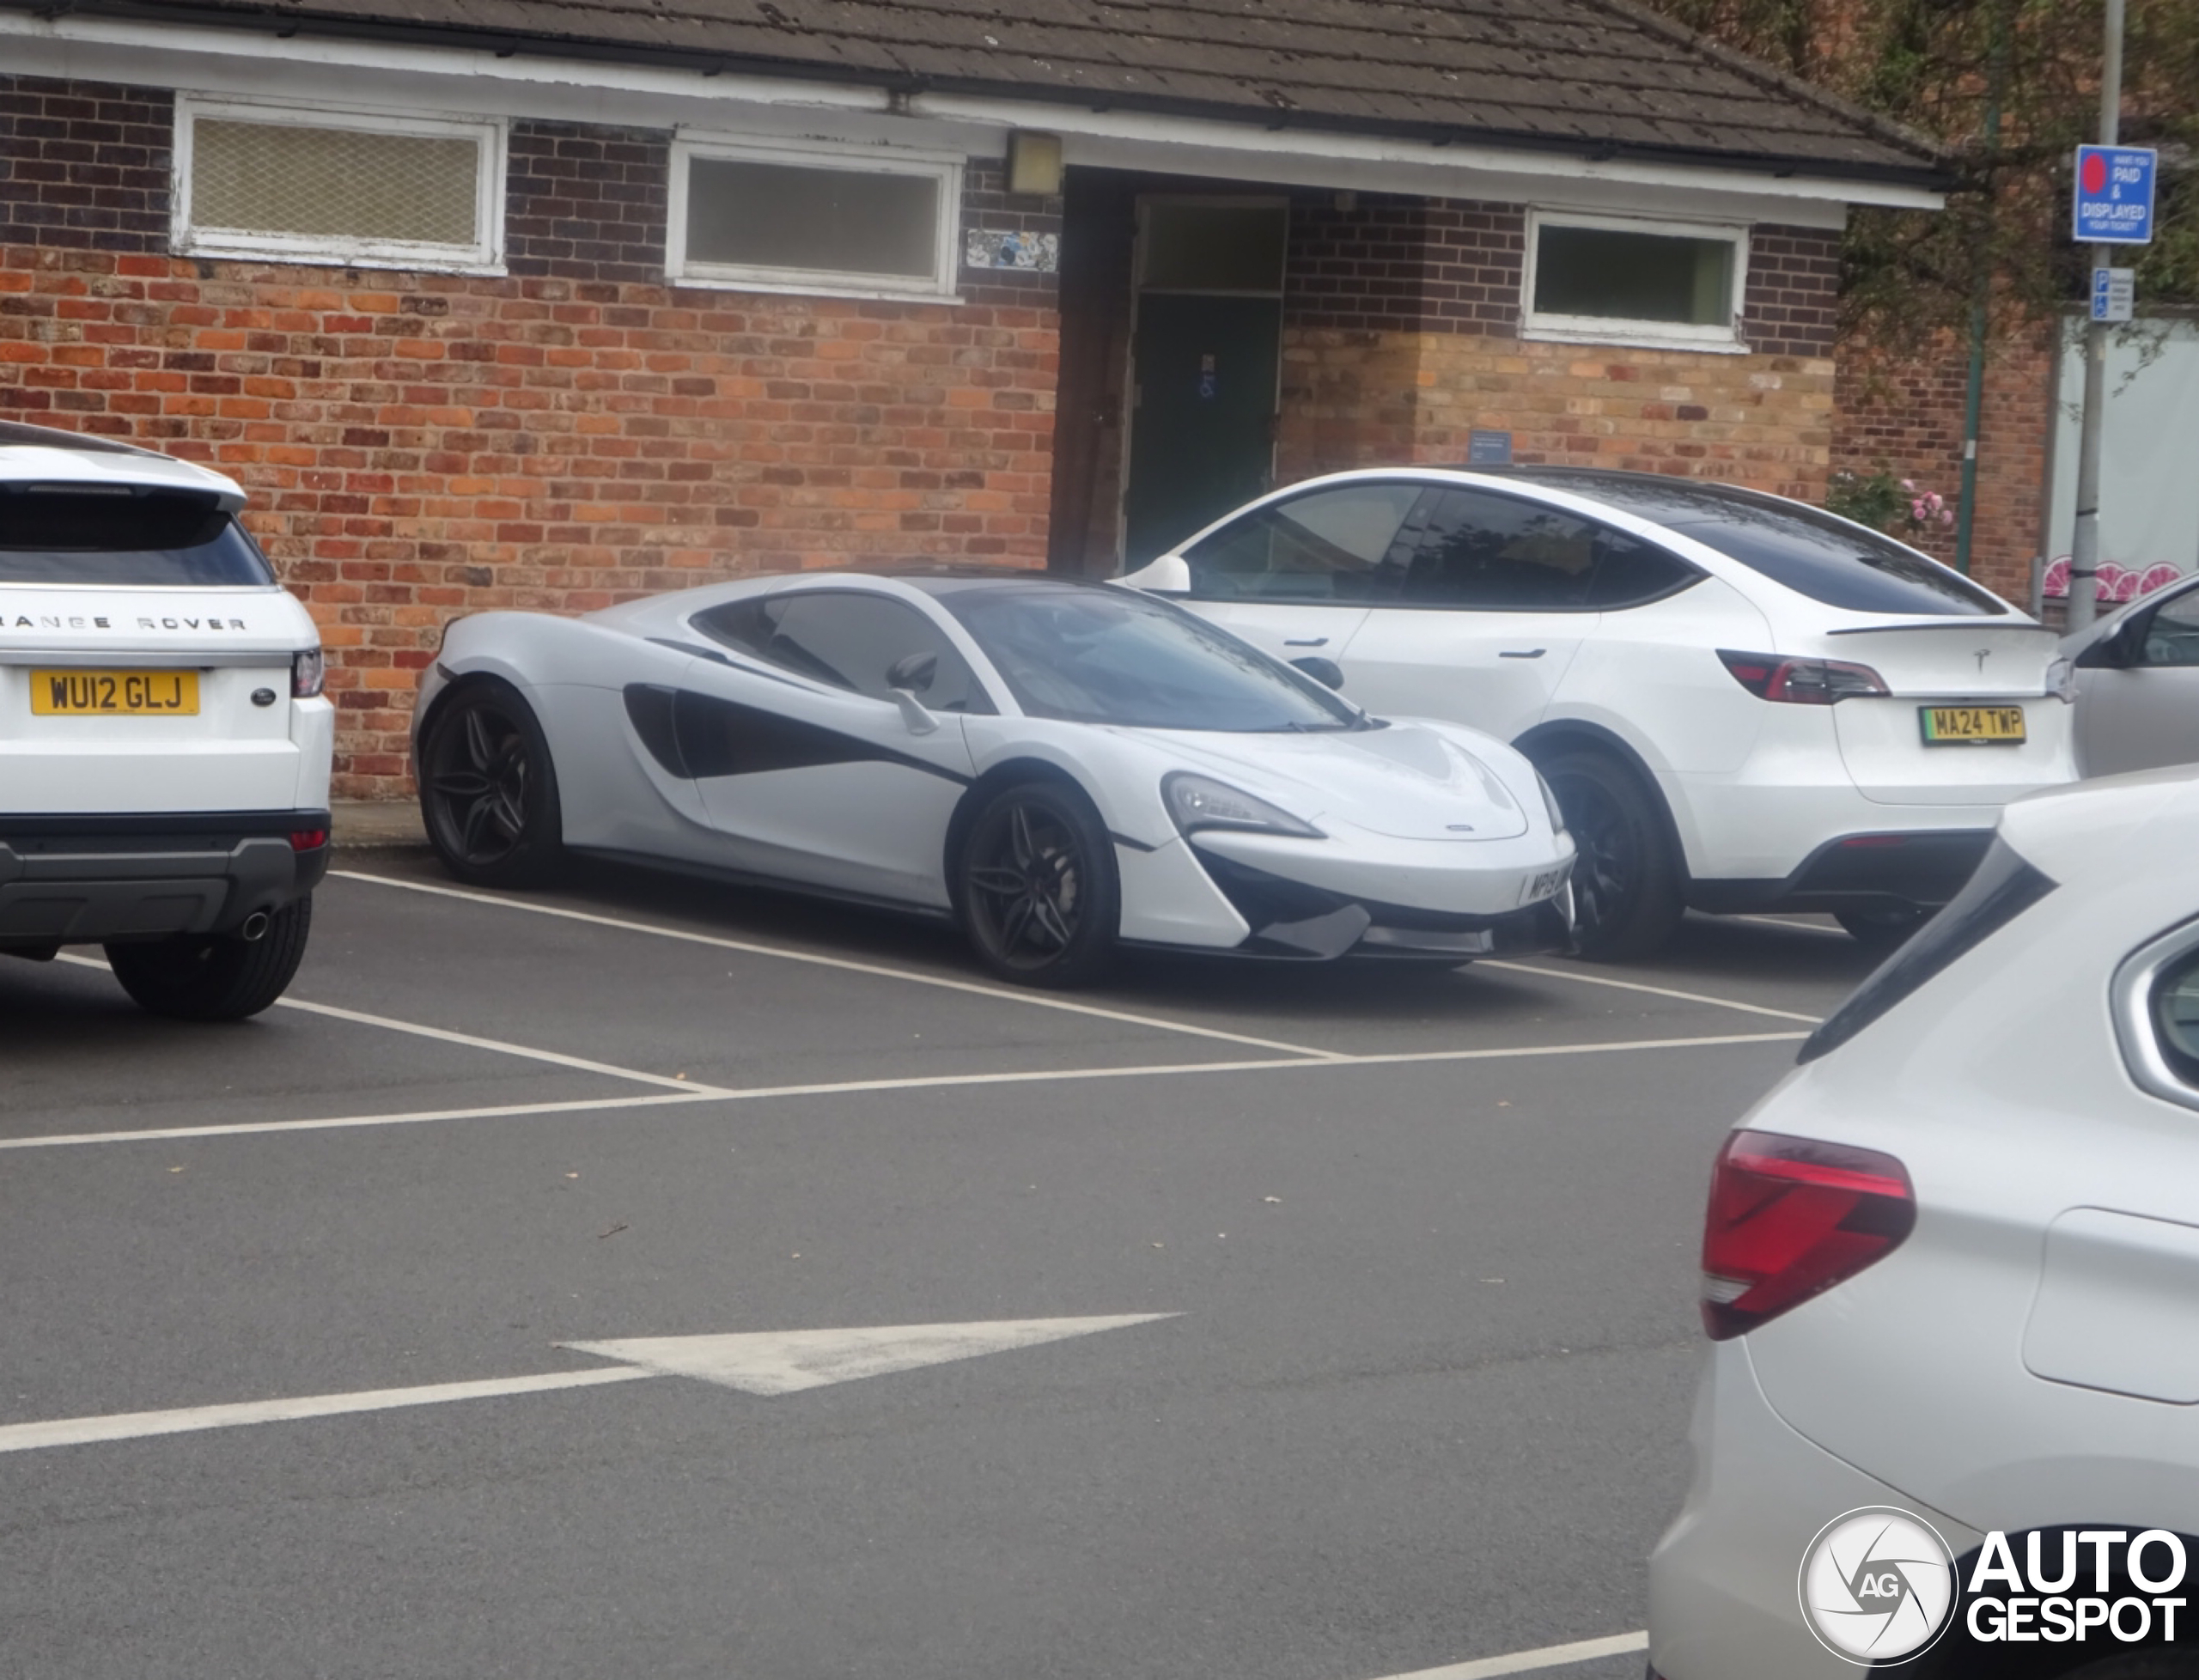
pixel 307 670
pixel 1789 1217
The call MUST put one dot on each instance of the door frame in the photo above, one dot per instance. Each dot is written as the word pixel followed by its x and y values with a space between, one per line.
pixel 1133 393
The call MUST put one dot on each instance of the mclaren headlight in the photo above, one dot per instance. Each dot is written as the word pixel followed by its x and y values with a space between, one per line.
pixel 1550 802
pixel 1196 803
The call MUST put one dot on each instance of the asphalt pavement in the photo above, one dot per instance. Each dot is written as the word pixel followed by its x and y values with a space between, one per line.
pixel 1424 1243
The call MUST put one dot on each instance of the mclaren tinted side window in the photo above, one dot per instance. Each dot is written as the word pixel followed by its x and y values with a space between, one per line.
pixel 850 639
pixel 1351 543
pixel 147 540
pixel 2004 887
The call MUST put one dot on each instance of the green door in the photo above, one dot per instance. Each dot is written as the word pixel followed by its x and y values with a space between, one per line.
pixel 1202 435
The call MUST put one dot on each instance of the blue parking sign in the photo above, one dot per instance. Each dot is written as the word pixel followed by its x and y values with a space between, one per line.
pixel 2114 195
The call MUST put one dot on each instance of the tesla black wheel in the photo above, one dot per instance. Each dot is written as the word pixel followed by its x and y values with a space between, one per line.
pixel 1882 931
pixel 220 976
pixel 1036 885
pixel 487 789
pixel 1626 879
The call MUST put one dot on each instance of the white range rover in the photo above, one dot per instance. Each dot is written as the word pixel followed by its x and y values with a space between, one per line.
pixel 164 744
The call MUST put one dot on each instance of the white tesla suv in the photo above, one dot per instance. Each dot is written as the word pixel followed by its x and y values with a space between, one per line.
pixel 1744 704
pixel 164 745
pixel 1951 1266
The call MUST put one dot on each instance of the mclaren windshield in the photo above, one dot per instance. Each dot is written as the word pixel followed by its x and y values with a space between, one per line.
pixel 1088 652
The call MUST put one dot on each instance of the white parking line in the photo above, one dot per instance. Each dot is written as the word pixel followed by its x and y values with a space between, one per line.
pixel 555 1058
pixel 129 1426
pixel 926 1082
pixel 1525 1662
pixel 1006 995
pixel 1655 991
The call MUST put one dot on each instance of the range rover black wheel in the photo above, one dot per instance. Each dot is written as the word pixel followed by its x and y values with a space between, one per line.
pixel 1626 880
pixel 1036 886
pixel 488 792
pixel 216 976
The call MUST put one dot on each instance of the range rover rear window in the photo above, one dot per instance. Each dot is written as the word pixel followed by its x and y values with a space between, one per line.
pixel 154 539
pixel 2004 887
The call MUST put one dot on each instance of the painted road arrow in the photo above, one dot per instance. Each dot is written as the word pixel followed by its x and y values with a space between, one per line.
pixel 760 1362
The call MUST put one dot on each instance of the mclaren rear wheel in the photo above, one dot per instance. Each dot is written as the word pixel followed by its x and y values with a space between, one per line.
pixel 488 791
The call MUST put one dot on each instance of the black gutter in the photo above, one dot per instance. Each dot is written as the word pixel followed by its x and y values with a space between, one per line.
pixel 507 44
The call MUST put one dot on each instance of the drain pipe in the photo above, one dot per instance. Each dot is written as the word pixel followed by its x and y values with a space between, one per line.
pixel 1980 306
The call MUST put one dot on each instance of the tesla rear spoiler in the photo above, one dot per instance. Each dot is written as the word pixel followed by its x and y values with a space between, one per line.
pixel 1992 623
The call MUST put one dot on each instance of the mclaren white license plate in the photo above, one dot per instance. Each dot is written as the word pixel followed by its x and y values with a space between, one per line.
pixel 114 693
pixel 1546 884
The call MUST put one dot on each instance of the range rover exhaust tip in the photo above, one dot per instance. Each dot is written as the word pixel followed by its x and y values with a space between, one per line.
pixel 255 926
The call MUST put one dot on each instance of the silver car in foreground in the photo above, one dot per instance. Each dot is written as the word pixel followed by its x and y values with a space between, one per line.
pixel 1951 1269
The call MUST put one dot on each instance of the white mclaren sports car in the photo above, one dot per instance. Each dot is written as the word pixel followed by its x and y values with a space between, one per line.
pixel 1062 767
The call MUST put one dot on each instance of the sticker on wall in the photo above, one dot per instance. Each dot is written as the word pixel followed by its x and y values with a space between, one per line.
pixel 1485 448
pixel 1210 379
pixel 1036 253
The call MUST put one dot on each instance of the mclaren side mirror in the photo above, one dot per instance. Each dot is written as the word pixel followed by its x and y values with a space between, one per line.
pixel 1325 672
pixel 913 672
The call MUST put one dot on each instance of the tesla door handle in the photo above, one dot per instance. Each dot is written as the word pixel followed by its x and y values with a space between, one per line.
pixel 1521 652
pixel 1306 641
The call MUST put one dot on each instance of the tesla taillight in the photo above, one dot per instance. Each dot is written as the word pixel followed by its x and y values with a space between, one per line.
pixel 1789 1217
pixel 1802 682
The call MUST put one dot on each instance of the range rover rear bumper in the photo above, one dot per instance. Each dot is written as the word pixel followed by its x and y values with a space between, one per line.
pixel 89 880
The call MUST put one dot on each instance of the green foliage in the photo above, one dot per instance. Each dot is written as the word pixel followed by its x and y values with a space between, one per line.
pixel 1935 65
pixel 1886 503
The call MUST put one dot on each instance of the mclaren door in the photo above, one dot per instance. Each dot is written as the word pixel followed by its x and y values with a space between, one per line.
pixel 810 768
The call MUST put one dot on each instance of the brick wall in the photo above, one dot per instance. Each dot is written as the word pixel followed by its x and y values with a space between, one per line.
pixel 84 166
pixel 1405 264
pixel 586 204
pixel 1434 352
pixel 1905 416
pixel 1353 399
pixel 421 445
pixel 1790 306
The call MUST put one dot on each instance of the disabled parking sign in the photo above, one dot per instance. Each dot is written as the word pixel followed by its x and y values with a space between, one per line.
pixel 2114 202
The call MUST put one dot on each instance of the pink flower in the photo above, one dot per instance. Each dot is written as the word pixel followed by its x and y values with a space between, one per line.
pixel 1946 518
pixel 1917 512
pixel 1909 485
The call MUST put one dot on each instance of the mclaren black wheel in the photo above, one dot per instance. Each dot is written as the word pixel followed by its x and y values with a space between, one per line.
pixel 1626 880
pixel 216 976
pixel 488 791
pixel 1036 885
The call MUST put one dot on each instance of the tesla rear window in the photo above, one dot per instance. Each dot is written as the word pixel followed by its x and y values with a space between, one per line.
pixel 2004 887
pixel 143 540
pixel 1087 654
pixel 1810 552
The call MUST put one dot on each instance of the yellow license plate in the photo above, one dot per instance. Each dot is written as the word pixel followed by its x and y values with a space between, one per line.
pixel 1972 726
pixel 115 694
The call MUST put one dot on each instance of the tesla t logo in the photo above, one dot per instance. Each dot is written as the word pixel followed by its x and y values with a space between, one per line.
pixel 1984 654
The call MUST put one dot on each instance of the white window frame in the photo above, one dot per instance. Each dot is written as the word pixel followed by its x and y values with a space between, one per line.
pixel 1621 330
pixel 485 256
pixel 943 167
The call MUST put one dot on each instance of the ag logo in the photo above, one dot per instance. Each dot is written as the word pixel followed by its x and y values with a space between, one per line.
pixel 1878 1586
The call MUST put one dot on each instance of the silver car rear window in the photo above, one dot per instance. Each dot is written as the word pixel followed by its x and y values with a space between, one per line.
pixel 154 540
pixel 2004 887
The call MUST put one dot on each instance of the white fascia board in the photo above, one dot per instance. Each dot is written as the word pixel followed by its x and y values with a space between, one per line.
pixel 1180 145
pixel 404 76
